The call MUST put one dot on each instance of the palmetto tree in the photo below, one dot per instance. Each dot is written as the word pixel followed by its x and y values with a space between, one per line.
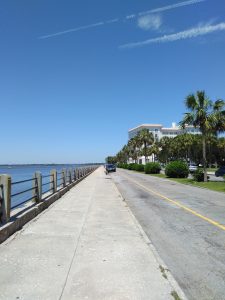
pixel 165 148
pixel 221 149
pixel 154 150
pixel 221 144
pixel 132 149
pixel 123 155
pixel 181 146
pixel 147 139
pixel 120 157
pixel 134 145
pixel 208 116
pixel 125 151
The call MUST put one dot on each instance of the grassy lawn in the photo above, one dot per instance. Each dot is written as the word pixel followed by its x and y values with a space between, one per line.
pixel 211 185
pixel 211 169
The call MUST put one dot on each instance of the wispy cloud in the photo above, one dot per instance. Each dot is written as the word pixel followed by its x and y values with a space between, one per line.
pixel 128 17
pixel 148 22
pixel 111 21
pixel 169 7
pixel 187 34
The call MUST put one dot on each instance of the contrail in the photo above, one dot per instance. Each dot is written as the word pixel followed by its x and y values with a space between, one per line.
pixel 172 6
pixel 187 34
pixel 128 17
pixel 112 21
pixel 72 30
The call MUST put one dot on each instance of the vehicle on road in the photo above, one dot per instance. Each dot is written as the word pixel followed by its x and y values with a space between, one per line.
pixel 220 171
pixel 110 168
pixel 192 168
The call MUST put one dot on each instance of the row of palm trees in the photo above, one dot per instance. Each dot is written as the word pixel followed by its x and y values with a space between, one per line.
pixel 140 145
pixel 202 113
pixel 186 147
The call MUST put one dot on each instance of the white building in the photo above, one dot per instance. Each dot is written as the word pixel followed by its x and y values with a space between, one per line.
pixel 159 131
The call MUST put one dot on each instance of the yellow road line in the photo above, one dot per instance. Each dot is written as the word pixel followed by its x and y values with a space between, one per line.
pixel 178 204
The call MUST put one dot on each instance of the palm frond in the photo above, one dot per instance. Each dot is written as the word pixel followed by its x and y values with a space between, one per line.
pixel 219 105
pixel 203 101
pixel 190 102
pixel 201 98
pixel 188 119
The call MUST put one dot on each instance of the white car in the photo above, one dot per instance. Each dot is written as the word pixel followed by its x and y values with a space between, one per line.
pixel 192 168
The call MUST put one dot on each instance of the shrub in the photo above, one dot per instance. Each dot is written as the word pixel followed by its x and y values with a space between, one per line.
pixel 152 168
pixel 122 165
pixel 131 166
pixel 198 175
pixel 177 169
pixel 139 168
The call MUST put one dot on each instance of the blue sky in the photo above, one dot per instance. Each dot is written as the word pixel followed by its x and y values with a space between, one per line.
pixel 76 75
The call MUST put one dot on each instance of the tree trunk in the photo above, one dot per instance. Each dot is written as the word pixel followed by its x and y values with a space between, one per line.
pixel 145 151
pixel 204 157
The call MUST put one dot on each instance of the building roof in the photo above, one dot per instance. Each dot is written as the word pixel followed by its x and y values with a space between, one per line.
pixel 145 125
pixel 173 128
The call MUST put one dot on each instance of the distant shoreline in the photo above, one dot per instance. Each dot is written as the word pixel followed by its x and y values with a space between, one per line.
pixel 19 165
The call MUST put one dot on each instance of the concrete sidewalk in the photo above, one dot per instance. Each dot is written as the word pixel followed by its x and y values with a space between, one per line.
pixel 87 245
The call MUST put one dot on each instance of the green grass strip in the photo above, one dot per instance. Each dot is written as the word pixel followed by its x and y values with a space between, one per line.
pixel 218 186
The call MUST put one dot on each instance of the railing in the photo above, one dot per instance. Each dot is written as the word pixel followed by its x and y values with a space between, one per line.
pixel 33 189
pixel 42 186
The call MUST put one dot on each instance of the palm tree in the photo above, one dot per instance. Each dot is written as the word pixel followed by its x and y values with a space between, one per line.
pixel 181 146
pixel 125 151
pixel 165 149
pixel 154 150
pixel 206 115
pixel 221 144
pixel 123 155
pixel 132 149
pixel 221 150
pixel 134 145
pixel 218 116
pixel 147 139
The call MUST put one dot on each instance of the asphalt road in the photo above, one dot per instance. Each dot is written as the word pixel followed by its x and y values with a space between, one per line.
pixel 187 227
